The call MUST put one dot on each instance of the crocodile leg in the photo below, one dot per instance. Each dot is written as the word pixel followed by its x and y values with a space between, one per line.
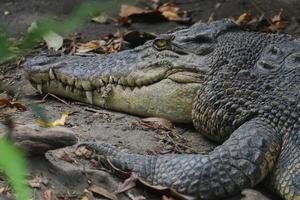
pixel 241 162
pixel 285 179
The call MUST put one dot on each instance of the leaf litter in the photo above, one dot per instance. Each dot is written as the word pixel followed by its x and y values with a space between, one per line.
pixel 261 23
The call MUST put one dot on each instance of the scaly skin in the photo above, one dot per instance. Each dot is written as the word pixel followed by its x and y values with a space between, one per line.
pixel 247 97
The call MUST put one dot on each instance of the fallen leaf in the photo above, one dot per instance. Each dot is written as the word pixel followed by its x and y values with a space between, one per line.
pixel 103 192
pixel 154 123
pixel 38 181
pixel 170 12
pixel 127 11
pixel 18 105
pixel 243 19
pixel 89 46
pixel 85 198
pixel 53 40
pixel 48 195
pixel 128 184
pixel 58 122
pixel 83 152
pixel 278 21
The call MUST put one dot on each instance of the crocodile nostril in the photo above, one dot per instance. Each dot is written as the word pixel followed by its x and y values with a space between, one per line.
pixel 275 50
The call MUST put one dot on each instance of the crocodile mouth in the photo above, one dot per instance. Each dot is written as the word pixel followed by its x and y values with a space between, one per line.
pixel 141 88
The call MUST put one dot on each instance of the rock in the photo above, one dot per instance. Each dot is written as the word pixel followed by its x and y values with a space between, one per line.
pixel 35 140
pixel 251 194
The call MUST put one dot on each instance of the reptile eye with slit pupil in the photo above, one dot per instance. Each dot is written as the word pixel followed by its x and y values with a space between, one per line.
pixel 160 44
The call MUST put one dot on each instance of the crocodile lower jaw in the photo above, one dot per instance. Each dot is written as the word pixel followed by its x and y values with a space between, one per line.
pixel 166 98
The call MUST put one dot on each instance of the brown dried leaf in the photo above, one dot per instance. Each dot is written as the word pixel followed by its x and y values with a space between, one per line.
pixel 85 198
pixel 128 184
pixel 277 17
pixel 154 123
pixel 103 192
pixel 127 11
pixel 83 152
pixel 48 195
pixel 89 46
pixel 38 181
pixel 278 23
pixel 4 102
pixel 170 12
pixel 243 19
pixel 18 105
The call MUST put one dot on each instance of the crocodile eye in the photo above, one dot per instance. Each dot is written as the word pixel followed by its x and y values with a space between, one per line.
pixel 163 42
pixel 160 44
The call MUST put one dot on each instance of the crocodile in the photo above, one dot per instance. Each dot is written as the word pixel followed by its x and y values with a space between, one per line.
pixel 239 88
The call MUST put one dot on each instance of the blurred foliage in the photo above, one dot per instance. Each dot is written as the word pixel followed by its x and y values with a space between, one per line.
pixel 12 161
pixel 86 11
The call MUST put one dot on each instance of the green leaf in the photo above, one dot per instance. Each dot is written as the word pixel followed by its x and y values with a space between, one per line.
pixel 12 162
pixel 53 40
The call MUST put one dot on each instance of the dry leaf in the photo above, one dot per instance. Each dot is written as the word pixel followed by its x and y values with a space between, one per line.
pixel 83 152
pixel 38 181
pixel 166 11
pixel 53 40
pixel 48 195
pixel 278 22
pixel 127 11
pixel 85 198
pixel 18 105
pixel 89 46
pixel 128 184
pixel 243 19
pixel 103 192
pixel 154 123
pixel 170 12
pixel 58 122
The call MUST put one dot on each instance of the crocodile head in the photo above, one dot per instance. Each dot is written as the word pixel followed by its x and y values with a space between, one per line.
pixel 159 78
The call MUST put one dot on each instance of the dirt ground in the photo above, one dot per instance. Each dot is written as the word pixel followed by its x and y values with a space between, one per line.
pixel 68 180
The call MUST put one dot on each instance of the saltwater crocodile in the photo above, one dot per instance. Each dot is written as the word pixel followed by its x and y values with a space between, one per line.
pixel 237 87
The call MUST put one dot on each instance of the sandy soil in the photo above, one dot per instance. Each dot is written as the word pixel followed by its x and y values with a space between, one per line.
pixel 69 179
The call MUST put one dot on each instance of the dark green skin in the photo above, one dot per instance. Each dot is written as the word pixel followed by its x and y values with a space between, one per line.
pixel 249 101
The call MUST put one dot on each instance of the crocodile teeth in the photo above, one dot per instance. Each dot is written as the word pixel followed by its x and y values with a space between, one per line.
pixel 101 82
pixel 51 74
pixel 89 96
pixel 111 80
pixel 39 88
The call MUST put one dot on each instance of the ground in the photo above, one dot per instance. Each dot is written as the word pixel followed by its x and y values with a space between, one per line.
pixel 69 179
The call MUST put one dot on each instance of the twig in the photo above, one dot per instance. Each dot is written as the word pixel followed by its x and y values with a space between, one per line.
pixel 56 97
pixel 95 111
pixel 179 144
